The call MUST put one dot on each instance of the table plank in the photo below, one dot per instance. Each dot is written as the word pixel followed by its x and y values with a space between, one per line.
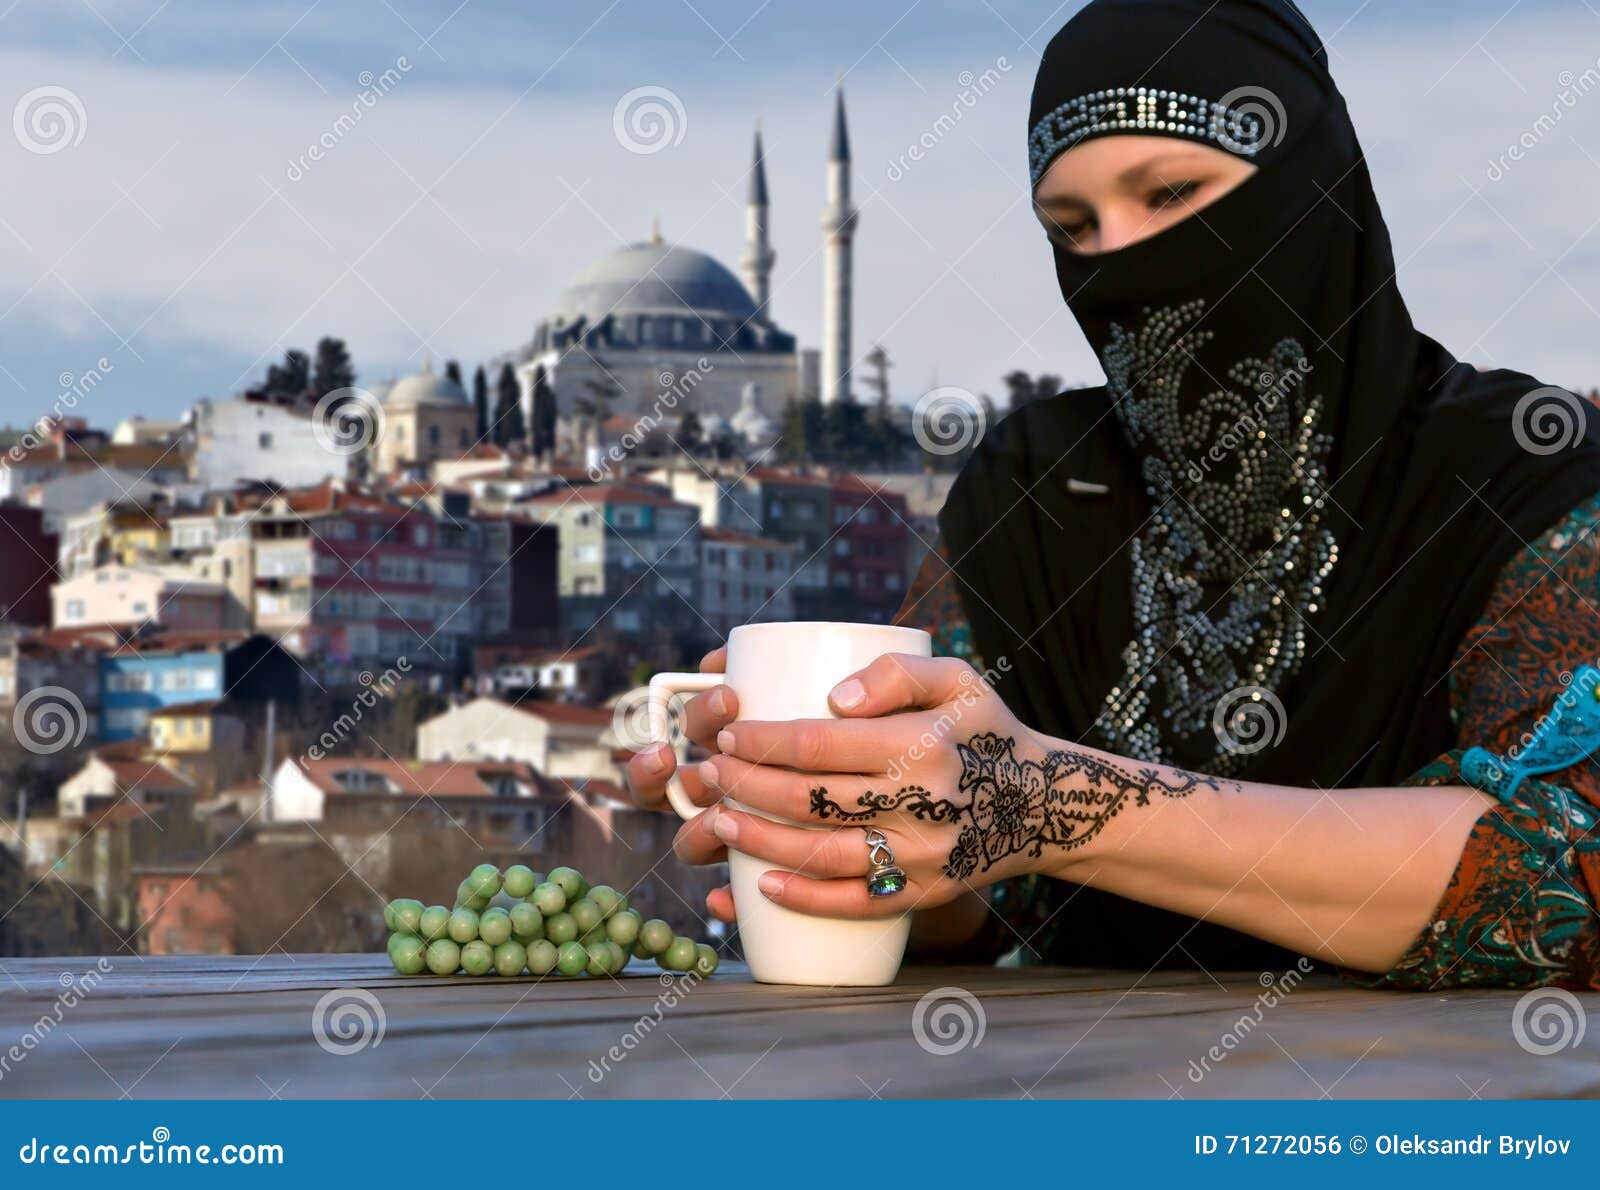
pixel 241 1027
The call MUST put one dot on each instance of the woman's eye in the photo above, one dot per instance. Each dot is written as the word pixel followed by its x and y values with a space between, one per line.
pixel 1068 231
pixel 1171 193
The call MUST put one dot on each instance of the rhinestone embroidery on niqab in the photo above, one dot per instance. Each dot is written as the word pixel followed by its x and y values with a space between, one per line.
pixel 1228 572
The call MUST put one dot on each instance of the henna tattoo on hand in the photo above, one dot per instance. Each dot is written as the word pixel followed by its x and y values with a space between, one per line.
pixel 1007 805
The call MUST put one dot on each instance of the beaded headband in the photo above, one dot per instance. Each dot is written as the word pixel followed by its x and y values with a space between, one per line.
pixel 1241 129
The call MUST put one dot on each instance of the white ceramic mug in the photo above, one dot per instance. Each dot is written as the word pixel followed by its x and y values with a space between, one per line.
pixel 786 671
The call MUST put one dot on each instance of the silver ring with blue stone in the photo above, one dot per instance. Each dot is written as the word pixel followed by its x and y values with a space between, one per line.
pixel 886 878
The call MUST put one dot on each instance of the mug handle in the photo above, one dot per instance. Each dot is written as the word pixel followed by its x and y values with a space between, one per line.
pixel 663 687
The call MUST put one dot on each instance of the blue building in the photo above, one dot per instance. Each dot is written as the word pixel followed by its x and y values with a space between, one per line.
pixel 148 674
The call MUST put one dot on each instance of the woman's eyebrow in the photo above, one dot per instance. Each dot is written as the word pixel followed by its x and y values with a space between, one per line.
pixel 1059 201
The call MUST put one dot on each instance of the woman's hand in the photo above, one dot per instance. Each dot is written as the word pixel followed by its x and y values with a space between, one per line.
pixel 649 771
pixel 954 784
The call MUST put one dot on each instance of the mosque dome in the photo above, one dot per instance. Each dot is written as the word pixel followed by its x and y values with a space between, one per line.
pixel 426 388
pixel 655 278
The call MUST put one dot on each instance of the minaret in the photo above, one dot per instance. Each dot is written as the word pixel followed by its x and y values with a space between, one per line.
pixel 838 228
pixel 758 256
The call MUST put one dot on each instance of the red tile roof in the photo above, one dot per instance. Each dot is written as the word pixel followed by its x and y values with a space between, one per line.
pixel 144 776
pixel 425 778
pixel 567 713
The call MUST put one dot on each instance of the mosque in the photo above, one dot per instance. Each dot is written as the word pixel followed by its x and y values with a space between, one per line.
pixel 640 321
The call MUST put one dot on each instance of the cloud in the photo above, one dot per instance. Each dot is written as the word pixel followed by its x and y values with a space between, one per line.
pixel 445 220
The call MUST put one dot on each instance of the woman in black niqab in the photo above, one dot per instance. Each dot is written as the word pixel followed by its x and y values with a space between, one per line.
pixel 1306 495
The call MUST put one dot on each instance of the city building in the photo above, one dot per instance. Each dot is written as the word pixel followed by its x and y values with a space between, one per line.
pixel 182 910
pixel 133 532
pixel 30 553
pixel 868 551
pixel 155 672
pixel 745 579
pixel 349 577
pixel 630 556
pixel 560 740
pixel 31 659
pixel 121 596
pixel 509 667
pixel 111 775
pixel 426 418
pixel 260 438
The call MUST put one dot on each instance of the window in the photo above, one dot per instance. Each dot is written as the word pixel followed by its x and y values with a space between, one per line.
pixel 141 608
pixel 264 441
pixel 588 553
pixel 461 439
pixel 433 435
pixel 76 609
pixel 419 534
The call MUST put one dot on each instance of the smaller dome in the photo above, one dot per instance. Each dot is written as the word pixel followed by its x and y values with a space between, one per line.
pixel 425 388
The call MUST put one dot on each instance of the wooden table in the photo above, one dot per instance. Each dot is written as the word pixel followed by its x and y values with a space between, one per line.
pixel 242 1027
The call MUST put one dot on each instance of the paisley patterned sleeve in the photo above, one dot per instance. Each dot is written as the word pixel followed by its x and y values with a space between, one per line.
pixel 1520 910
pixel 933 604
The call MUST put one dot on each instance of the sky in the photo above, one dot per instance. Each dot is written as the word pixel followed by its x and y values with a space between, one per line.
pixel 175 236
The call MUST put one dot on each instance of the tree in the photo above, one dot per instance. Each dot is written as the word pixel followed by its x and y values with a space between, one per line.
pixel 452 370
pixel 1019 389
pixel 480 402
pixel 544 415
pixel 793 442
pixel 691 434
pixel 290 378
pixel 1046 386
pixel 508 426
pixel 333 369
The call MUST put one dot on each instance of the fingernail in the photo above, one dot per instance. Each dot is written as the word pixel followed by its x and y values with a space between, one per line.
pixel 708 774
pixel 725 827
pixel 655 760
pixel 771 884
pixel 724 741
pixel 849 694
pixel 719 701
